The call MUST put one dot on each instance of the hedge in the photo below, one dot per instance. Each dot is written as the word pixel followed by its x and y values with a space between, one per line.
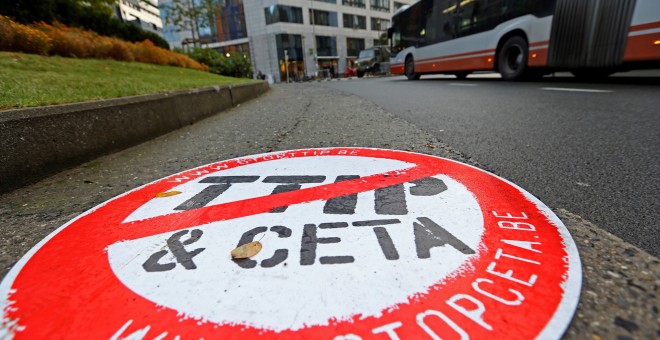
pixel 59 39
pixel 76 13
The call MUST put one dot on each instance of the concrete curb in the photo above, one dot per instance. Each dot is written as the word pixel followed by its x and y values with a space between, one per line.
pixel 38 142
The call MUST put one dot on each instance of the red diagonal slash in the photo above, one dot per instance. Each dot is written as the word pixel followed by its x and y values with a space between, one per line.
pixel 226 211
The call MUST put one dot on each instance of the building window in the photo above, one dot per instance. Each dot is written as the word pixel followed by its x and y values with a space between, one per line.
pixel 379 24
pixel 380 5
pixel 354 46
pixel 355 21
pixel 323 18
pixel 292 43
pixel 328 1
pixel 279 13
pixel 326 46
pixel 354 3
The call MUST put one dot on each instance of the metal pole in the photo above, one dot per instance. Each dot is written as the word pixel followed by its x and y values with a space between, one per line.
pixel 302 38
pixel 316 67
pixel 286 65
pixel 379 25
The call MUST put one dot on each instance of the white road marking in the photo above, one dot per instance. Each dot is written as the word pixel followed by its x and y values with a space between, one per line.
pixel 462 84
pixel 574 90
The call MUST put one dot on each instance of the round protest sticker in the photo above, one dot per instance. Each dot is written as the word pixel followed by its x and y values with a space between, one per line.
pixel 337 243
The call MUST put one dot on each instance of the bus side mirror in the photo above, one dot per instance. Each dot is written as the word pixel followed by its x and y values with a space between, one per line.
pixel 389 33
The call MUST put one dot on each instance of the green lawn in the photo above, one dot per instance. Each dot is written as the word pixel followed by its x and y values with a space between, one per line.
pixel 31 80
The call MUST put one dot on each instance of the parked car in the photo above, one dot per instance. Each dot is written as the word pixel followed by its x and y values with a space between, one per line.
pixel 369 60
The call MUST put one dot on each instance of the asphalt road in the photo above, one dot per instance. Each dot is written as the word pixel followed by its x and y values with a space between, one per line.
pixel 589 148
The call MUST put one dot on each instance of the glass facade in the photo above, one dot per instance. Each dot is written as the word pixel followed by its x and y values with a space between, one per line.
pixel 225 22
pixel 230 20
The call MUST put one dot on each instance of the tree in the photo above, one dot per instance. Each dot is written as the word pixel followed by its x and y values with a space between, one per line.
pixel 28 11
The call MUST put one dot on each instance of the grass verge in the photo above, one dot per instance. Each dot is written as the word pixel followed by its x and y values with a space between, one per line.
pixel 28 80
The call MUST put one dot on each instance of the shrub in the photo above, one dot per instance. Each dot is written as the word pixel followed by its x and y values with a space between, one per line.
pixel 240 65
pixel 120 51
pixel 209 57
pixel 19 38
pixel 68 42
pixel 237 65
pixel 90 15
pixel 58 39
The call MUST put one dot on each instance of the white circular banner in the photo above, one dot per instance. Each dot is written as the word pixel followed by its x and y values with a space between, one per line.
pixel 356 243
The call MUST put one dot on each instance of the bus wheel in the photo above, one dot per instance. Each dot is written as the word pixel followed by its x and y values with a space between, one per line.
pixel 512 58
pixel 461 75
pixel 410 69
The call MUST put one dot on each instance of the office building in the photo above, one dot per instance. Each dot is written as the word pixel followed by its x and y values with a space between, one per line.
pixel 142 13
pixel 316 36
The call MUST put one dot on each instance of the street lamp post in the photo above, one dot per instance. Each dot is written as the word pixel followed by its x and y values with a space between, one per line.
pixel 380 34
pixel 316 66
pixel 286 65
pixel 302 37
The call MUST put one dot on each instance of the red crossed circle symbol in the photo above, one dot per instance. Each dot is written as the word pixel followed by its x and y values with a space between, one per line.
pixel 65 287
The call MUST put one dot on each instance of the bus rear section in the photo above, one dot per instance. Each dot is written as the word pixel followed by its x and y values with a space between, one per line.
pixel 525 38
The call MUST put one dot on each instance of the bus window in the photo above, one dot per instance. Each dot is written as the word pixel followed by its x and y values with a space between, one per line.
pixel 470 14
pixel 476 16
pixel 440 20
pixel 410 26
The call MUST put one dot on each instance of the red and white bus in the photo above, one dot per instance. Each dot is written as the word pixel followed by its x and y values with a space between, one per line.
pixel 523 38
